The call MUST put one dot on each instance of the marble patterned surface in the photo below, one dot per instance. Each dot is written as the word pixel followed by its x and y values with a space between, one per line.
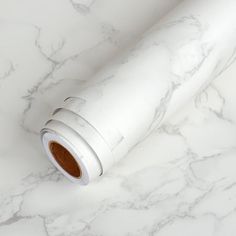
pixel 49 48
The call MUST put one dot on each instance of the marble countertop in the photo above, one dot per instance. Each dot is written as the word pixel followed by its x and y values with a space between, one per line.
pixel 181 180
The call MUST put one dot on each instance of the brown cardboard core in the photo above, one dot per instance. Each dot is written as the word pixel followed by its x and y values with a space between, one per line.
pixel 65 159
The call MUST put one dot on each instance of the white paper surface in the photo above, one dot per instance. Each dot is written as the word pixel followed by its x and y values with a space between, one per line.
pixel 180 180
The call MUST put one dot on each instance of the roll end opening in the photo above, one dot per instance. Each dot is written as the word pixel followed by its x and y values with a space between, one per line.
pixel 65 159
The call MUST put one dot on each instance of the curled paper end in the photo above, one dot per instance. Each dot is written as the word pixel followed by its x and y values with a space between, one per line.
pixel 73 158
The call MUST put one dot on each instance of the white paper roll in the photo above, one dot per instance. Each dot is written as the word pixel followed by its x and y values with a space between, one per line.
pixel 137 92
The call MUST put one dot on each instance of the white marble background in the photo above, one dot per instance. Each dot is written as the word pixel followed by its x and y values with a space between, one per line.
pixel 180 181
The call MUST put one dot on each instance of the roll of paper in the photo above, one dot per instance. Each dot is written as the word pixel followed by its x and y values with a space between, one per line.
pixel 138 91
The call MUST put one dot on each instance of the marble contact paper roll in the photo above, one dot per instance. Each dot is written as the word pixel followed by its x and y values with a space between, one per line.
pixel 137 92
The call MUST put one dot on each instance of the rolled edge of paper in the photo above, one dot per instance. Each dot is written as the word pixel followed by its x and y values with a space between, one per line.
pixel 82 154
